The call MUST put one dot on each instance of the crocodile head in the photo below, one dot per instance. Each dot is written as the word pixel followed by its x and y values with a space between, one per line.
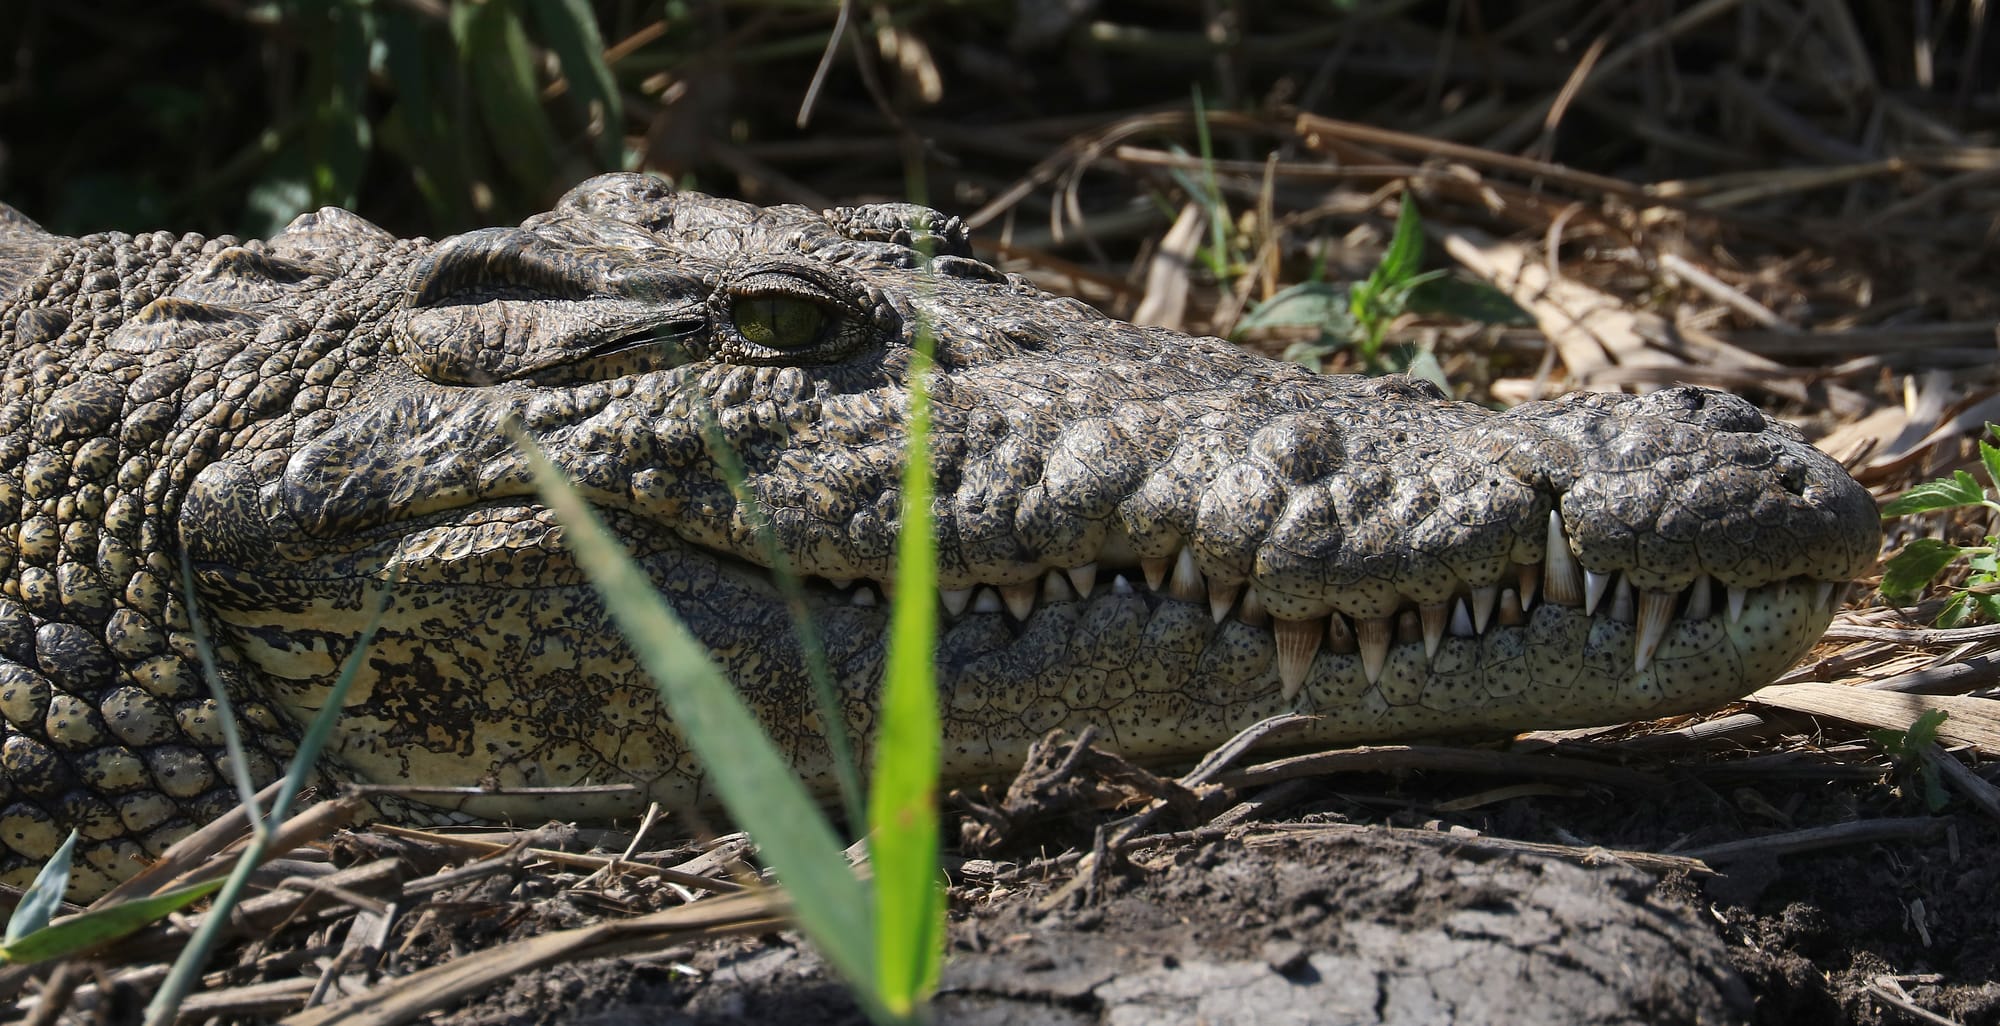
pixel 1167 537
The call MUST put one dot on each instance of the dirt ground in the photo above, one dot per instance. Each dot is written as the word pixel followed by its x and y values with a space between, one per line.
pixel 1365 903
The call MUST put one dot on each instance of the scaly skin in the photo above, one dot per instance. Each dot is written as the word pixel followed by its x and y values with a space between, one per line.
pixel 290 416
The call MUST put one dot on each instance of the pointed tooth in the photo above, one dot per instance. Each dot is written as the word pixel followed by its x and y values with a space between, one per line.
pixel 1221 597
pixel 1562 580
pixel 1511 613
pixel 1736 597
pixel 1435 615
pixel 862 596
pixel 1339 635
pixel 1020 598
pixel 1187 584
pixel 1621 600
pixel 955 599
pixel 1461 620
pixel 1252 610
pixel 1373 635
pixel 843 583
pixel 1155 568
pixel 1701 597
pixel 1121 586
pixel 1055 588
pixel 1594 586
pixel 986 600
pixel 1298 643
pixel 1083 578
pixel 1656 614
pixel 1824 595
pixel 1528 576
pixel 1483 599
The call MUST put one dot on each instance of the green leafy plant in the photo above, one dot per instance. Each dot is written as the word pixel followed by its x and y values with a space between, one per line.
pixel 1911 751
pixel 901 910
pixel 1909 571
pixel 34 935
pixel 1360 315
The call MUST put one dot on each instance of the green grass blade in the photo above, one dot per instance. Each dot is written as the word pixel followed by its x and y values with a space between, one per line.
pixel 38 905
pixel 165 1005
pixel 840 744
pixel 902 806
pixel 753 780
pixel 87 930
pixel 570 29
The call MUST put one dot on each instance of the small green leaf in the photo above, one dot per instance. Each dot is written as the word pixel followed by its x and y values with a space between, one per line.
pixel 1961 489
pixel 1309 303
pixel 1468 300
pixel 1406 248
pixel 98 926
pixel 43 896
pixel 1909 570
pixel 1990 456
pixel 1957 610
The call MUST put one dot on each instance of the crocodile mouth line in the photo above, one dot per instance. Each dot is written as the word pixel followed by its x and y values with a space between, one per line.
pixel 1471 613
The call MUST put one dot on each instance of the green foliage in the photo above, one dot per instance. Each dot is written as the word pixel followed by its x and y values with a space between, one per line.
pixel 1362 314
pixel 1909 571
pixel 98 926
pixel 903 801
pixel 894 974
pixel 1911 751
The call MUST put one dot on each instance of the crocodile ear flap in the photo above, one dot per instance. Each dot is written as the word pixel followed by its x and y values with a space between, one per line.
pixel 903 224
pixel 24 247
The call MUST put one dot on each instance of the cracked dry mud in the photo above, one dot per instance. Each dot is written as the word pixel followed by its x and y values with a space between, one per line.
pixel 1269 928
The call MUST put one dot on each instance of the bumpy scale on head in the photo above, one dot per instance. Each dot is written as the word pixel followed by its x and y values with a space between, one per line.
pixel 1166 537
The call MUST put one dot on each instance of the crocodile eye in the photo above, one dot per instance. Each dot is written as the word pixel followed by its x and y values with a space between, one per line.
pixel 778 322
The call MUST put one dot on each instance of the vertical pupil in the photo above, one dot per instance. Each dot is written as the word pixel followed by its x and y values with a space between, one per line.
pixel 777 321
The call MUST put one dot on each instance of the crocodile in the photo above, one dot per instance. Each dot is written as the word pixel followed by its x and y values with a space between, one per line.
pixel 1163 536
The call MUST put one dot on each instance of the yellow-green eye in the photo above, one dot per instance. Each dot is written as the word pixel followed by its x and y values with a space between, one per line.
pixel 778 322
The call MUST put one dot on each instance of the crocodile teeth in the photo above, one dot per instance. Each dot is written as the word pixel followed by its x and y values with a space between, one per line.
pixel 1020 598
pixel 1461 621
pixel 1656 614
pixel 1055 588
pixel 1529 576
pixel 1298 642
pixel 1700 598
pixel 1736 597
pixel 842 583
pixel 1482 607
pixel 1155 568
pixel 1562 580
pixel 955 599
pixel 1220 598
pixel 1511 613
pixel 1824 596
pixel 1252 610
pixel 1083 578
pixel 1186 583
pixel 1373 636
pixel 1121 586
pixel 986 600
pixel 1339 636
pixel 862 596
pixel 1435 616
pixel 1621 600
pixel 1594 586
